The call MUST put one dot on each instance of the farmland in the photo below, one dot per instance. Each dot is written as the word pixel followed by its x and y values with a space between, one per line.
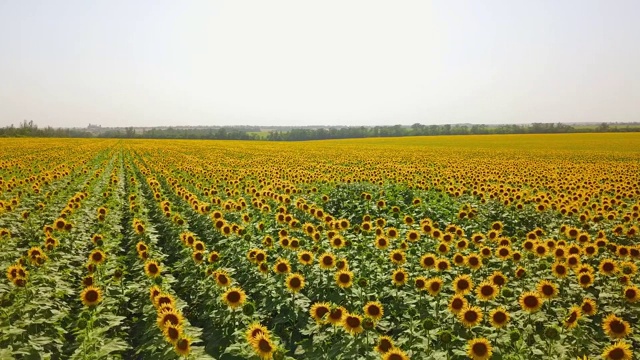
pixel 448 247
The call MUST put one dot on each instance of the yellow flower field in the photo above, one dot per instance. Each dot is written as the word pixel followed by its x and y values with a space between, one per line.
pixel 448 247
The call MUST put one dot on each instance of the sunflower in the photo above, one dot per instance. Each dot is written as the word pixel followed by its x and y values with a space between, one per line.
pixel 263 346
pixel 520 272
pixel 395 354
pixel 305 257
pixel 172 333
pixel 183 346
pixel 547 289
pixel 428 261
pixel 336 315
pixel 479 349
pixel 169 316
pixel 503 252
pixel 337 242
pixel 457 303
pixel 618 351
pixel 294 282
pixel 499 317
pixel 572 319
pixel 385 343
pixel 615 327
pixel 151 268
pixel 473 261
pixel 318 311
pixel 222 278
pixel 344 278
pixel 373 310
pixel 327 261
pixel 498 278
pixel 470 316
pixel 559 270
pixel 381 242
pixel 589 306
pixel 282 266
pixel 398 257
pixel 413 235
pixel 462 284
pixel 91 296
pixel 486 291
pixel 443 265
pixel 399 277
pixel 255 329
pixel 632 293
pixel 420 283
pixel 585 279
pixel 234 297
pixel 392 232
pixel 164 300
pixel 608 267
pixel 434 285
pixel 530 301
pixel 352 324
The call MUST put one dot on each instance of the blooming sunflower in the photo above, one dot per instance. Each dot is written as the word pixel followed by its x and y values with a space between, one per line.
pixel 234 297
pixel 474 262
pixel 559 270
pixel 498 278
pixel 254 330
pixel 172 333
pixel 282 266
pixel 169 316
pixel 434 285
pixel 618 351
pixel 499 317
pixel 428 261
pixel 615 327
pixel 530 301
pixel 385 343
pixel 381 242
pixel 395 354
pixel 398 257
pixel 183 346
pixel 420 283
pixel 305 257
pixel 457 303
pixel 336 315
pixel 572 319
pixel 327 261
pixel 91 296
pixel 294 282
pixel 547 289
pixel 479 349
pixel 263 346
pixel 344 278
pixel 585 279
pixel 470 316
pixel 318 311
pixel 399 277
pixel 589 306
pixel 373 310
pixel 632 294
pixel 352 324
pixel 151 268
pixel 608 267
pixel 462 284
pixel 486 291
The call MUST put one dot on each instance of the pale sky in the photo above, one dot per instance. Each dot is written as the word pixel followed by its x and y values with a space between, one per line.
pixel 145 63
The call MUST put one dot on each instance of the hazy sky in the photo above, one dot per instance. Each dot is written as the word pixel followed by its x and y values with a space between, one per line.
pixel 144 63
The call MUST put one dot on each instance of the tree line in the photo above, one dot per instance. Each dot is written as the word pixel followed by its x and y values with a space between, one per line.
pixel 29 129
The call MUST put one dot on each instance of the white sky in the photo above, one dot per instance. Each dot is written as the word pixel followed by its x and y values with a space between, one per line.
pixel 145 63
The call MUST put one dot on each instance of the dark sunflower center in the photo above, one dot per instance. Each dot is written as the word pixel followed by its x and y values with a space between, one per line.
pixel 282 267
pixel 91 295
pixel 547 290
pixel 616 354
pixel 428 261
pixel 608 267
pixel 486 290
pixel 499 280
pixel 463 284
pixel 420 283
pixel 397 257
pixel 585 279
pixel 630 294
pixel 305 257
pixel 173 333
pixel 470 316
pixel 573 317
pixel 233 297
pixel 480 349
pixel 353 321
pixel 499 317
pixel 373 310
pixel 385 345
pixel 399 276
pixel 457 304
pixel 344 278
pixel 183 344
pixel 336 314
pixel 321 311
pixel 531 301
pixel 327 260
pixel 473 261
pixel 172 318
pixel 395 357
pixel 295 282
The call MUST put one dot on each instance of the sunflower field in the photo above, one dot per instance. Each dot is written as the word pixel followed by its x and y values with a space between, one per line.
pixel 481 247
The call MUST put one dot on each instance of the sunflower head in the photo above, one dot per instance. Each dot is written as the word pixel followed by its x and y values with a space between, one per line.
pixel 615 327
pixel 530 301
pixel 352 324
pixel 255 329
pixel 152 268
pixel 373 310
pixel 499 317
pixel 479 349
pixel 294 282
pixel 318 311
pixel 183 346
pixel 618 351
pixel 234 297
pixel 399 277
pixel 385 343
pixel 462 284
pixel 470 316
pixel 91 296
pixel 344 278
